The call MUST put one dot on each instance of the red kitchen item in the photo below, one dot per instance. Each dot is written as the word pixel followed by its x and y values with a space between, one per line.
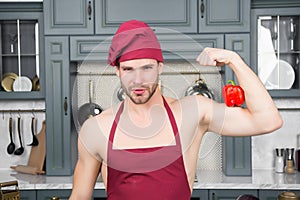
pixel 233 94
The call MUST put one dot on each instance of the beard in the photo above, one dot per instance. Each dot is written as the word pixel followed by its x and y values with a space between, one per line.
pixel 149 90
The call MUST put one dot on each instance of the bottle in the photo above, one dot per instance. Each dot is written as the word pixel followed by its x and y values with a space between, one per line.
pixel 279 161
pixel 298 153
pixel 290 164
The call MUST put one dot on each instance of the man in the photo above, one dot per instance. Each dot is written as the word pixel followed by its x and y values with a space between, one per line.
pixel 146 147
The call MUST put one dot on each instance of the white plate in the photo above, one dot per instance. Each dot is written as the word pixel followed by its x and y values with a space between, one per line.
pixel 22 83
pixel 282 77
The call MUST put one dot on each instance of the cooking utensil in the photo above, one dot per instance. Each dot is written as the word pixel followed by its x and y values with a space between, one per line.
pixel 121 94
pixel 90 109
pixel 35 141
pixel 199 88
pixel 20 150
pixel 35 80
pixel 11 146
pixel 22 83
pixel 8 81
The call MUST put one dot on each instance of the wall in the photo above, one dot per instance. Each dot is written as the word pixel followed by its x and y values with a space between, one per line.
pixel 263 154
pixel 8 160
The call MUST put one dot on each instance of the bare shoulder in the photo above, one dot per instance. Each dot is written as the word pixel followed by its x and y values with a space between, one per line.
pixel 188 103
pixel 105 119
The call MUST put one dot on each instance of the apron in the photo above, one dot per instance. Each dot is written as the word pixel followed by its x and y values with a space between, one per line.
pixel 147 173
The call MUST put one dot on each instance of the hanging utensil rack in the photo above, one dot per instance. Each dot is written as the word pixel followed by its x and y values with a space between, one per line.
pixel 23 110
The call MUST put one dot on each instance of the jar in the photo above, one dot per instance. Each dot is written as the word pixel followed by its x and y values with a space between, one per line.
pixel 289 168
pixel 288 196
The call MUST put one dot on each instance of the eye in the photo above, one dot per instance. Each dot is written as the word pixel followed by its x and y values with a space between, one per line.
pixel 147 67
pixel 127 68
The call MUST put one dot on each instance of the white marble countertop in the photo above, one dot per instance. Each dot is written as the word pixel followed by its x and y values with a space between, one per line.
pixel 260 179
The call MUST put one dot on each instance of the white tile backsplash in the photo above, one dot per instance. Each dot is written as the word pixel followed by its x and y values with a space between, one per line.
pixel 263 146
pixel 8 160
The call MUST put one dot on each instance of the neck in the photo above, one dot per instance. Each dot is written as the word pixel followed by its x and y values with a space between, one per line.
pixel 142 112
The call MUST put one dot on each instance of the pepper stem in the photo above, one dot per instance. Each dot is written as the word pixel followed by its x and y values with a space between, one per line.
pixel 231 82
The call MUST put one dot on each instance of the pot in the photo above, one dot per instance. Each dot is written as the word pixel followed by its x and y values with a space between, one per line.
pixel 90 109
pixel 120 94
pixel 199 88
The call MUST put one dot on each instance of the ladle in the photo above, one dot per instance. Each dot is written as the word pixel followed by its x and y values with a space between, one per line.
pixel 11 146
pixel 35 141
pixel 20 150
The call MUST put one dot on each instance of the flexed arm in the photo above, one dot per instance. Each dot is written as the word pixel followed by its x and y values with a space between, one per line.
pixel 260 115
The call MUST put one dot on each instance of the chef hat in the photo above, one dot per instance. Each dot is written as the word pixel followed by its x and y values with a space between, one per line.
pixel 134 40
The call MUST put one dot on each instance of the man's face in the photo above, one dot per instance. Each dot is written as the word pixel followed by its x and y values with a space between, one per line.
pixel 139 78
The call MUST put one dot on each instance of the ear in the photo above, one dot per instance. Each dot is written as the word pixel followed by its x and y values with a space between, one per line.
pixel 118 71
pixel 160 67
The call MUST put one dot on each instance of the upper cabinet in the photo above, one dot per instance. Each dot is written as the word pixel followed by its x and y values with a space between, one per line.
pixel 69 17
pixel 77 17
pixel 179 15
pixel 21 60
pixel 276 49
pixel 224 16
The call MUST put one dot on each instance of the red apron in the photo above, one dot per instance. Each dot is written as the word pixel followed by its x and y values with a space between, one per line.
pixel 147 173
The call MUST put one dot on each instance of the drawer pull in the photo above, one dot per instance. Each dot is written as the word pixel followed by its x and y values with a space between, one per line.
pixel 202 9
pixel 90 10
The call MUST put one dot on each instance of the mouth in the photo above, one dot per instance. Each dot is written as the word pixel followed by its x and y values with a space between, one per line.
pixel 139 91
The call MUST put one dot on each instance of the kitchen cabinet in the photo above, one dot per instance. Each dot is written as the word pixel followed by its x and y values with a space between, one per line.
pixel 276 49
pixel 217 16
pixel 21 57
pixel 179 15
pixel 237 150
pixel 230 194
pixel 48 194
pixel 174 47
pixel 273 194
pixel 80 16
pixel 27 195
pixel 61 138
pixel 69 17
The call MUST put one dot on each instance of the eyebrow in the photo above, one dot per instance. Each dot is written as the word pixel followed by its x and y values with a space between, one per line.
pixel 146 65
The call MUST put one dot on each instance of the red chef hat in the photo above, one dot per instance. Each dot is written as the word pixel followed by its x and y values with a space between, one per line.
pixel 134 40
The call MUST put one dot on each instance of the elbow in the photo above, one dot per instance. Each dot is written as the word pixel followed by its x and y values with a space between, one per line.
pixel 275 123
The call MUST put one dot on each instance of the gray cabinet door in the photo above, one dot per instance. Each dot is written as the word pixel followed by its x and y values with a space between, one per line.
pixel 179 15
pixel 273 194
pixel 230 194
pixel 224 16
pixel 68 17
pixel 237 150
pixel 60 154
pixel 48 194
pixel 175 47
pixel 27 195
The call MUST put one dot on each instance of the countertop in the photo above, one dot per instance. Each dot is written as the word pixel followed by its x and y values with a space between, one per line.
pixel 260 179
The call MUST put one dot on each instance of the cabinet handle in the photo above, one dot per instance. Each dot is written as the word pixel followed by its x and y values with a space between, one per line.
pixel 90 10
pixel 213 196
pixel 202 9
pixel 66 106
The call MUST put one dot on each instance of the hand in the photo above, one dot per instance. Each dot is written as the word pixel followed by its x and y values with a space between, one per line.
pixel 216 57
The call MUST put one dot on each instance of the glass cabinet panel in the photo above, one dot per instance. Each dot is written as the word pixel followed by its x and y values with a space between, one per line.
pixel 19 55
pixel 278 51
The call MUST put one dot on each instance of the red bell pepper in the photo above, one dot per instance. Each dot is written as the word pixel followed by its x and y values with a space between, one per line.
pixel 233 94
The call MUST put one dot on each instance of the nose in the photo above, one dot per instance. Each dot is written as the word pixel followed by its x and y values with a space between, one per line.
pixel 138 76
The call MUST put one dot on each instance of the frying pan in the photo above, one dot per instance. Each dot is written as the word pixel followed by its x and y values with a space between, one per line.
pixel 90 109
pixel 199 88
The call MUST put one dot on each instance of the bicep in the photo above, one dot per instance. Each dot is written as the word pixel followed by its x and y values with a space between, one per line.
pixel 235 121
